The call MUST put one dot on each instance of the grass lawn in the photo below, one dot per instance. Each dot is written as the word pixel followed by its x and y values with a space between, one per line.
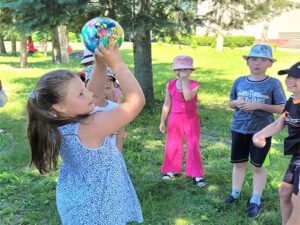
pixel 29 198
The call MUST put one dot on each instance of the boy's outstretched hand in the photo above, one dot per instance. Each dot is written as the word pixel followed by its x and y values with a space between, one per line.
pixel 259 140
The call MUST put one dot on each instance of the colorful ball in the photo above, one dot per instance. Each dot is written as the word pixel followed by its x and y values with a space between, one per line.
pixel 101 29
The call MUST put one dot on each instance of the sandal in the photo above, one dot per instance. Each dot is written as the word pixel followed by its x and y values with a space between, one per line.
pixel 200 183
pixel 168 176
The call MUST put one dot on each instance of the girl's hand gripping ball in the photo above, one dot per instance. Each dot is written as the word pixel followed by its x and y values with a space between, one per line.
pixel 101 29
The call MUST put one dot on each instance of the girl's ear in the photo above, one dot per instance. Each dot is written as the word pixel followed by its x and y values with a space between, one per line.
pixel 59 107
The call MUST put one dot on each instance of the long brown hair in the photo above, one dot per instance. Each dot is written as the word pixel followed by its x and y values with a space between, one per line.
pixel 42 131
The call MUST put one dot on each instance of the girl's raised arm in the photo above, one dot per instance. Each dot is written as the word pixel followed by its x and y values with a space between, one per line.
pixel 97 82
pixel 102 124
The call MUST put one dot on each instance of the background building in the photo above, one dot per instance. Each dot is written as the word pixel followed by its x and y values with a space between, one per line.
pixel 282 30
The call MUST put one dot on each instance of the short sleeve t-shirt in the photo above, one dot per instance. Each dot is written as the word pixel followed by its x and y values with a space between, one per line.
pixel 292 120
pixel 267 91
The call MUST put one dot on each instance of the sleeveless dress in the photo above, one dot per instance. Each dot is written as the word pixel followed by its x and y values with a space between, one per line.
pixel 183 123
pixel 94 187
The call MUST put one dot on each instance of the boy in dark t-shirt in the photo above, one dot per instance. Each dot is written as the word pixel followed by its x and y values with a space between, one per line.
pixel 289 188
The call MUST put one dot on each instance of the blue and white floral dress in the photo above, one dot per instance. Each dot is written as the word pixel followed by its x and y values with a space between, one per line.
pixel 94 187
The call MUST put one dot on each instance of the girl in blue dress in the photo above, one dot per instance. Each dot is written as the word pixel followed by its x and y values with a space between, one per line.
pixel 93 187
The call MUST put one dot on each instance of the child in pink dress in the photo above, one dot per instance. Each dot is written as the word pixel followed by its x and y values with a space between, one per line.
pixel 183 122
pixel 112 91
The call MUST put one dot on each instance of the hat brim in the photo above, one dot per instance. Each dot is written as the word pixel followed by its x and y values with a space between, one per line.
pixel 282 72
pixel 290 72
pixel 246 57
pixel 87 59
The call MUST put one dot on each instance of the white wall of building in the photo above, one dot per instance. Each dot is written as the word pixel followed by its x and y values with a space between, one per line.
pixel 286 22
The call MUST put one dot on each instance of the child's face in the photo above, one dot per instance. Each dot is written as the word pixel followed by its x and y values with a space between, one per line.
pixel 258 65
pixel 78 100
pixel 293 85
pixel 183 72
pixel 109 85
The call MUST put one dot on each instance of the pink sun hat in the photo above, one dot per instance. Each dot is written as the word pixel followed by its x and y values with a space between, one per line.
pixel 183 62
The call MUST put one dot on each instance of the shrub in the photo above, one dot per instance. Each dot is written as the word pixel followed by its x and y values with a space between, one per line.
pixel 238 41
pixel 229 41
pixel 73 37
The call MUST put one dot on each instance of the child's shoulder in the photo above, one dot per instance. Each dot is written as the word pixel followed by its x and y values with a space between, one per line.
pixel 70 128
pixel 273 79
pixel 242 77
pixel 170 82
pixel 194 83
pixel 274 82
pixel 239 79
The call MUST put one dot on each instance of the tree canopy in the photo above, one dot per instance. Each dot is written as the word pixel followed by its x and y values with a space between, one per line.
pixel 140 19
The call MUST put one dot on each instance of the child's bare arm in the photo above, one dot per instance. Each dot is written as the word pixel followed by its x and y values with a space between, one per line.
pixel 165 111
pixel 235 103
pixel 97 82
pixel 100 124
pixel 188 94
pixel 250 106
pixel 121 136
pixel 259 139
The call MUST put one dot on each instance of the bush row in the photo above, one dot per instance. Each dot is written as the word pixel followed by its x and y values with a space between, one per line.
pixel 229 41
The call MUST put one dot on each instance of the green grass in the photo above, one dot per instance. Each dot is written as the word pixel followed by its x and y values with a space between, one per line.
pixel 29 198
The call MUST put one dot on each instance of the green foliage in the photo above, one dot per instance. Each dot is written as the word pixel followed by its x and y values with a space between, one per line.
pixel 29 198
pixel 238 41
pixel 197 40
pixel 74 37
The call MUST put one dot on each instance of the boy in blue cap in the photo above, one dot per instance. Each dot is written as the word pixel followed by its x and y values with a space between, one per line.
pixel 289 188
pixel 254 98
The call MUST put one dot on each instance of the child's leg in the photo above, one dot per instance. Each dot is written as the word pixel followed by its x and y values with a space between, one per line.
pixel 289 192
pixel 258 156
pixel 239 158
pixel 285 194
pixel 174 145
pixel 259 181
pixel 295 215
pixel 238 175
pixel 192 129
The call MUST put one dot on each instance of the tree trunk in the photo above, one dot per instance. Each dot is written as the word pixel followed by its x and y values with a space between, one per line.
pixel 143 63
pixel 220 40
pixel 56 56
pixel 13 45
pixel 63 43
pixel 219 44
pixel 142 50
pixel 45 41
pixel 2 46
pixel 23 52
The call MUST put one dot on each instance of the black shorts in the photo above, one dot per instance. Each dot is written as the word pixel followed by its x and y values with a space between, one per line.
pixel 242 146
pixel 292 174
